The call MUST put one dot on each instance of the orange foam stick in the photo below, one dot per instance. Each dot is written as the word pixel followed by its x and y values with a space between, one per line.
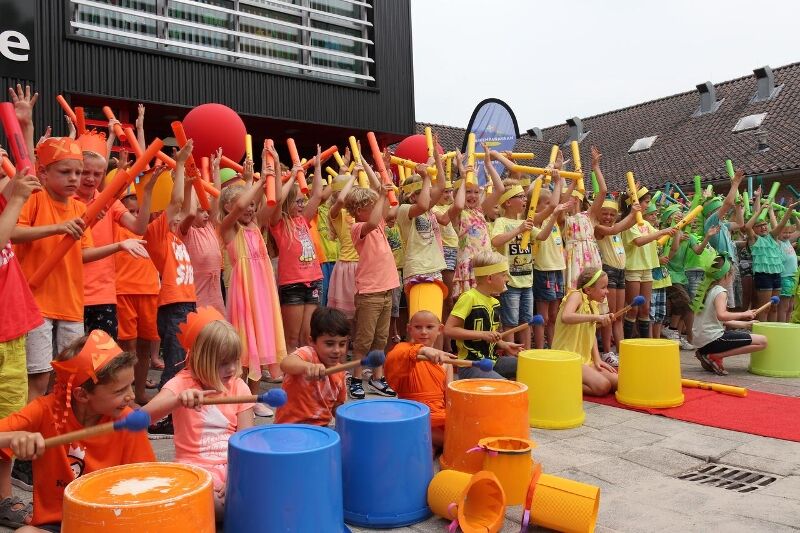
pixel 67 109
pixel 377 158
pixel 270 176
pixel 191 166
pixel 117 128
pixel 80 121
pixel 230 163
pixel 167 160
pixel 301 175
pixel 122 179
pixel 8 167
pixel 205 173
pixel 133 142
pixel 324 156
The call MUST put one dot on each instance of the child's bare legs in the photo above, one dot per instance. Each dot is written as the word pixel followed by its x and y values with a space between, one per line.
pixel 784 308
pixel 5 478
pixel 37 385
pixel 598 382
pixel 292 316
pixel 759 342
pixel 549 311
pixel 437 437
pixel 142 349
pixel 762 297
pixel 155 357
pixel 632 290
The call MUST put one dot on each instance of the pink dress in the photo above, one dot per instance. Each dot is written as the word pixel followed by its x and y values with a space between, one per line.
pixel 473 237
pixel 253 306
pixel 580 247
pixel 206 255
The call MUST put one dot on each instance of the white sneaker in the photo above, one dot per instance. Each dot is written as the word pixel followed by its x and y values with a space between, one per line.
pixel 685 345
pixel 610 358
pixel 669 333
pixel 260 409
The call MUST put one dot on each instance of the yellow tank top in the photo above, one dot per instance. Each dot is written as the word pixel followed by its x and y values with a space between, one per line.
pixel 577 338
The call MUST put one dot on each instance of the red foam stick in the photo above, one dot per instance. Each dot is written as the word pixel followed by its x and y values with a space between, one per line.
pixel 8 167
pixel 227 162
pixel 67 109
pixel 16 141
pixel 301 175
pixel 80 121
pixel 117 128
pixel 377 158
pixel 191 167
pixel 167 160
pixel 269 177
pixel 205 169
pixel 133 142
pixel 324 156
pixel 122 179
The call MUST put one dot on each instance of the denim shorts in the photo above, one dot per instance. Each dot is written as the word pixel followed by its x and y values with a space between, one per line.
pixel 616 277
pixel 766 282
pixel 102 317
pixel 693 280
pixel 516 306
pixel 300 293
pixel 548 285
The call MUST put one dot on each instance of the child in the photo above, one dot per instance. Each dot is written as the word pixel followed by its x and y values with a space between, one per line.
pixel 715 211
pixel 312 396
pixel 375 281
pixel 575 331
pixel 299 274
pixel 93 386
pixel 254 313
pixel 414 369
pixel 213 366
pixel 343 277
pixel 449 244
pixel 475 321
pixel 395 240
pixel 712 319
pixel 661 278
pixel 788 275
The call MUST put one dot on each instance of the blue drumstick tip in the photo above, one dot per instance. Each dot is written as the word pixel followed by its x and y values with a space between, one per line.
pixel 775 300
pixel 484 364
pixel 273 397
pixel 374 359
pixel 639 300
pixel 136 421
pixel 537 320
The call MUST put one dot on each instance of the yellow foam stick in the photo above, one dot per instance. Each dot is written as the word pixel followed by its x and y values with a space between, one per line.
pixel 410 165
pixel 448 168
pixel 338 157
pixel 471 158
pixel 547 171
pixel 401 174
pixel 634 192
pixel 363 181
pixel 248 146
pixel 717 387
pixel 537 189
pixel 351 167
pixel 429 140
pixel 449 155
pixel 576 155
pixel 682 223
pixel 551 162
pixel 331 172
pixel 514 156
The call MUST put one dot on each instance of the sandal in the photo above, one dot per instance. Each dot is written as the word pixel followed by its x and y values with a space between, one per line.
pixel 716 366
pixel 157 365
pixel 150 384
pixel 704 362
pixel 14 512
pixel 397 339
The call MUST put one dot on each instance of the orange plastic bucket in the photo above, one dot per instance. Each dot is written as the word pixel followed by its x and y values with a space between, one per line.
pixel 475 501
pixel 480 408
pixel 151 497
pixel 509 458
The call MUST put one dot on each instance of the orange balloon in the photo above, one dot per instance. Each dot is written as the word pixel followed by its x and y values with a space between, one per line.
pixel 161 193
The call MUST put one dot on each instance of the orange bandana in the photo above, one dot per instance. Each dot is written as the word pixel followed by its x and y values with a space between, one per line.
pixel 195 322
pixel 58 149
pixel 94 142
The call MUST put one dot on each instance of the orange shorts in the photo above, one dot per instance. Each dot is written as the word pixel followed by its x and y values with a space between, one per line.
pixel 136 315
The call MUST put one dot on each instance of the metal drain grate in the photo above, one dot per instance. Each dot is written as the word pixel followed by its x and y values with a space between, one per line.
pixel 729 477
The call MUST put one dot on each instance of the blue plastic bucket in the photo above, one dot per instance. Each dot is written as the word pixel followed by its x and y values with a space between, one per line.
pixel 284 477
pixel 387 463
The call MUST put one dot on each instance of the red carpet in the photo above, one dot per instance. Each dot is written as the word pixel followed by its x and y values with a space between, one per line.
pixel 759 413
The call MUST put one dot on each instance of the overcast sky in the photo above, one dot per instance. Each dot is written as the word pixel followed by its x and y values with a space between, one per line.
pixel 554 60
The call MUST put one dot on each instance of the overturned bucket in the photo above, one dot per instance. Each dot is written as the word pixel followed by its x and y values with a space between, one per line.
pixel 475 502
pixel 509 458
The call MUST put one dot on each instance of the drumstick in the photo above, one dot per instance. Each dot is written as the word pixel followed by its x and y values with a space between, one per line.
pixel 374 359
pixel 772 301
pixel 136 421
pixel 273 398
pixel 484 364
pixel 639 300
pixel 537 320
pixel 717 387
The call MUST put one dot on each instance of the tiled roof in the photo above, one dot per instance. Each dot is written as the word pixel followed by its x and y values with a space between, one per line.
pixel 686 144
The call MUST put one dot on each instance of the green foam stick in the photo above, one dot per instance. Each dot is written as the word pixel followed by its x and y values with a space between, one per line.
pixel 770 199
pixel 595 184
pixel 729 168
pixel 698 192
pixel 746 200
pixel 656 196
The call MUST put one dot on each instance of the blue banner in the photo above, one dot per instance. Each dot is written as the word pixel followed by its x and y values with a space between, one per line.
pixel 494 123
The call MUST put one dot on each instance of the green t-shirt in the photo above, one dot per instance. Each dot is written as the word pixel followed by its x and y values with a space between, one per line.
pixel 520 260
pixel 479 313
pixel 677 265
pixel 699 262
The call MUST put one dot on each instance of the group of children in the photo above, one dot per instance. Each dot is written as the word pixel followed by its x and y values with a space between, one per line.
pixel 250 290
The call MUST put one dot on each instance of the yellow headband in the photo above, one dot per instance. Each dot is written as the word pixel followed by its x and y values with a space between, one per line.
pixel 515 190
pixel 641 192
pixel 411 188
pixel 577 194
pixel 611 204
pixel 593 280
pixel 488 270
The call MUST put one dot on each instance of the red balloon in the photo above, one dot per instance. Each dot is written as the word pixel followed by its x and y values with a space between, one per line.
pixel 211 126
pixel 414 148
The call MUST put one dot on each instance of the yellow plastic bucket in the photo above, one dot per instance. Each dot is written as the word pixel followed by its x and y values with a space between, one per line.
pixel 561 504
pixel 555 388
pixel 779 359
pixel 649 373
pixel 480 408
pixel 427 296
pixel 476 501
pixel 509 459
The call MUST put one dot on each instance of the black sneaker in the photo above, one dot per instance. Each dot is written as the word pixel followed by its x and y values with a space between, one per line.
pixel 379 386
pixel 356 390
pixel 22 475
pixel 163 429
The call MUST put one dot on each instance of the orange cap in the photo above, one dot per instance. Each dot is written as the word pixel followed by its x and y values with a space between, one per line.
pixel 94 142
pixel 195 322
pixel 56 149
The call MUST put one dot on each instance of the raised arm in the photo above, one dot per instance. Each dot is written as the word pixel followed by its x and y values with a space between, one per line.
pixel 437 188
pixel 316 188
pixel 24 103
pixel 777 230
pixel 178 180
pixel 713 230
pixel 490 200
pixel 597 202
pixel 730 198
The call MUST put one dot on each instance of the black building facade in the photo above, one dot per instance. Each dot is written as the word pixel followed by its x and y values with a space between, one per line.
pixel 316 70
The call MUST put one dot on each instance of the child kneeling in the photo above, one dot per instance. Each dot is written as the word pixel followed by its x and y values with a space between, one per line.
pixel 713 340
pixel 576 323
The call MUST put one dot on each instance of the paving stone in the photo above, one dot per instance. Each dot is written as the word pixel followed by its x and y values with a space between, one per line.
pixel 664 460
pixel 782 450
pixel 581 474
pixel 627 436
pixel 762 464
pixel 658 424
pixel 788 487
pixel 699 445
pixel 618 471
pixel 725 433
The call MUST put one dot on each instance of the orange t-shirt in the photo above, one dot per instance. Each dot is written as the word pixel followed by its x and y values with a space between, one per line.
pixel 135 275
pixel 98 275
pixel 62 464
pixel 311 402
pixel 60 295
pixel 171 259
pixel 418 380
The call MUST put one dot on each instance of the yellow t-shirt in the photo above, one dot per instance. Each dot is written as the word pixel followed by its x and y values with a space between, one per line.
pixel 520 260
pixel 422 243
pixel 639 257
pixel 577 338
pixel 479 312
pixel 549 253
pixel 612 251
pixel 329 246
pixel 341 226
pixel 449 235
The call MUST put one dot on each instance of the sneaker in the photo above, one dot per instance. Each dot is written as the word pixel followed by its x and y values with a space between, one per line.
pixel 163 429
pixel 381 387
pixel 22 475
pixel 669 333
pixel 685 345
pixel 610 358
pixel 260 409
pixel 356 389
